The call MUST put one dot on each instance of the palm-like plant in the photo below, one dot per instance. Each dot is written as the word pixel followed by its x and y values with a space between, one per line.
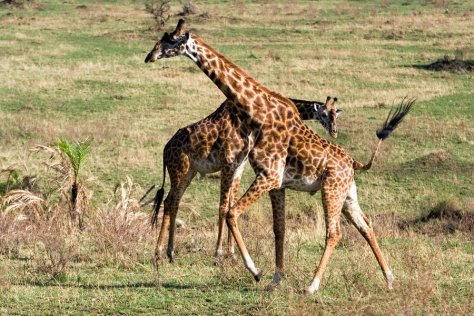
pixel 76 152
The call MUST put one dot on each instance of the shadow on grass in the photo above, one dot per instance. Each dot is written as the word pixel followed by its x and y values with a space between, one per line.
pixel 133 285
pixel 90 286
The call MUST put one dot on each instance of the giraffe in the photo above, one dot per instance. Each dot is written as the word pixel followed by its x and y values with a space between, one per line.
pixel 285 153
pixel 209 145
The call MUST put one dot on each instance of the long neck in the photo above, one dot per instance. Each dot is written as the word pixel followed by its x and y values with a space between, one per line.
pixel 306 109
pixel 229 78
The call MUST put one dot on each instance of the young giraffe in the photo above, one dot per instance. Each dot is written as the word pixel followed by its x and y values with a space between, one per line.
pixel 285 154
pixel 212 144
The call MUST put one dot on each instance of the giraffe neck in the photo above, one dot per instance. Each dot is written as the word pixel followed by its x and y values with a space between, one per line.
pixel 234 83
pixel 306 109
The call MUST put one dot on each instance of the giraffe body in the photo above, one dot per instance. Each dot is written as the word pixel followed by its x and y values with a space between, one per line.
pixel 285 153
pixel 213 144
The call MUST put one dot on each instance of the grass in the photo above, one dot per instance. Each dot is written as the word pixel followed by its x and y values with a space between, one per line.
pixel 75 70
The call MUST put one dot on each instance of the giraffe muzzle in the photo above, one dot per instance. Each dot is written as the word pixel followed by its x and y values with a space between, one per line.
pixel 152 57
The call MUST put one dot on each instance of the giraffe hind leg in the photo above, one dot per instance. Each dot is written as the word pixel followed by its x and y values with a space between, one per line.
pixel 178 170
pixel 278 207
pixel 174 205
pixel 332 195
pixel 353 212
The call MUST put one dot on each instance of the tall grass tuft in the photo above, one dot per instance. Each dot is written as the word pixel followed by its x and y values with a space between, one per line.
pixel 121 232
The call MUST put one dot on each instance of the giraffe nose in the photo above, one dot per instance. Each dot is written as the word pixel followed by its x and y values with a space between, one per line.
pixel 148 58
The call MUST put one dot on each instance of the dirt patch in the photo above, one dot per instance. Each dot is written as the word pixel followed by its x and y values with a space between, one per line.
pixel 431 160
pixel 451 65
pixel 441 160
pixel 443 219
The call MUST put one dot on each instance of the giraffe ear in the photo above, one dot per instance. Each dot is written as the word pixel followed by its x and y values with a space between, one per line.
pixel 338 112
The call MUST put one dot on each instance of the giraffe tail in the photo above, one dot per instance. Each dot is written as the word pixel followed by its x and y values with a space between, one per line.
pixel 394 118
pixel 158 198
pixel 155 200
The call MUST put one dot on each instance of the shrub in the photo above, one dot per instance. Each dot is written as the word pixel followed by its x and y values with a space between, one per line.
pixel 160 11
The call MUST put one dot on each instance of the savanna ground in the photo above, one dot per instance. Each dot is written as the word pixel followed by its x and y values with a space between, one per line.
pixel 74 70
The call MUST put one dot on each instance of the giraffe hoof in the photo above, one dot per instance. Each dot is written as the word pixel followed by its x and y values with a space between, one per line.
pixel 258 276
pixel 389 277
pixel 232 256
pixel 308 292
pixel 218 261
pixel 271 286
pixel 157 260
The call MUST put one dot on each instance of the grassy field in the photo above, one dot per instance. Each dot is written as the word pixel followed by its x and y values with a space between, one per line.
pixel 75 70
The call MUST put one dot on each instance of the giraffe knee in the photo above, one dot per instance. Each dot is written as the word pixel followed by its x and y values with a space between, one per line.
pixel 223 210
pixel 334 235
pixel 230 218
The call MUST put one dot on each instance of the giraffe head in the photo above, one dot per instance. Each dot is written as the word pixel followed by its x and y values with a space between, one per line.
pixel 327 114
pixel 171 44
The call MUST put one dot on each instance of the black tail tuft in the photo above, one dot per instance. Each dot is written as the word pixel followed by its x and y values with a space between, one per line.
pixel 395 117
pixel 156 206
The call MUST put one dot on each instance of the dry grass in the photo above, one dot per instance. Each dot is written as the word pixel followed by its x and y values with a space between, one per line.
pixel 119 231
pixel 76 70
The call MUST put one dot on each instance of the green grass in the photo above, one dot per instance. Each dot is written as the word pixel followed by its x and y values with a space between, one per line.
pixel 75 70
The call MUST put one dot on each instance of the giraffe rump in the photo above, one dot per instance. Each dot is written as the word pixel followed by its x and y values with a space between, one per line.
pixel 394 118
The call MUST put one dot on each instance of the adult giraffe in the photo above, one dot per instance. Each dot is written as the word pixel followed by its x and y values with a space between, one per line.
pixel 286 153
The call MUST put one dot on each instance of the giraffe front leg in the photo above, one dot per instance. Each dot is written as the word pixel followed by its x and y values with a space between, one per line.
pixel 260 186
pixel 278 207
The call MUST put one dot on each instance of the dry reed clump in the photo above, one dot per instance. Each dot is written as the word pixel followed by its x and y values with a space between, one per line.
pixel 13 233
pixel 41 232
pixel 119 231
pixel 55 245
pixel 36 223
pixel 24 203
